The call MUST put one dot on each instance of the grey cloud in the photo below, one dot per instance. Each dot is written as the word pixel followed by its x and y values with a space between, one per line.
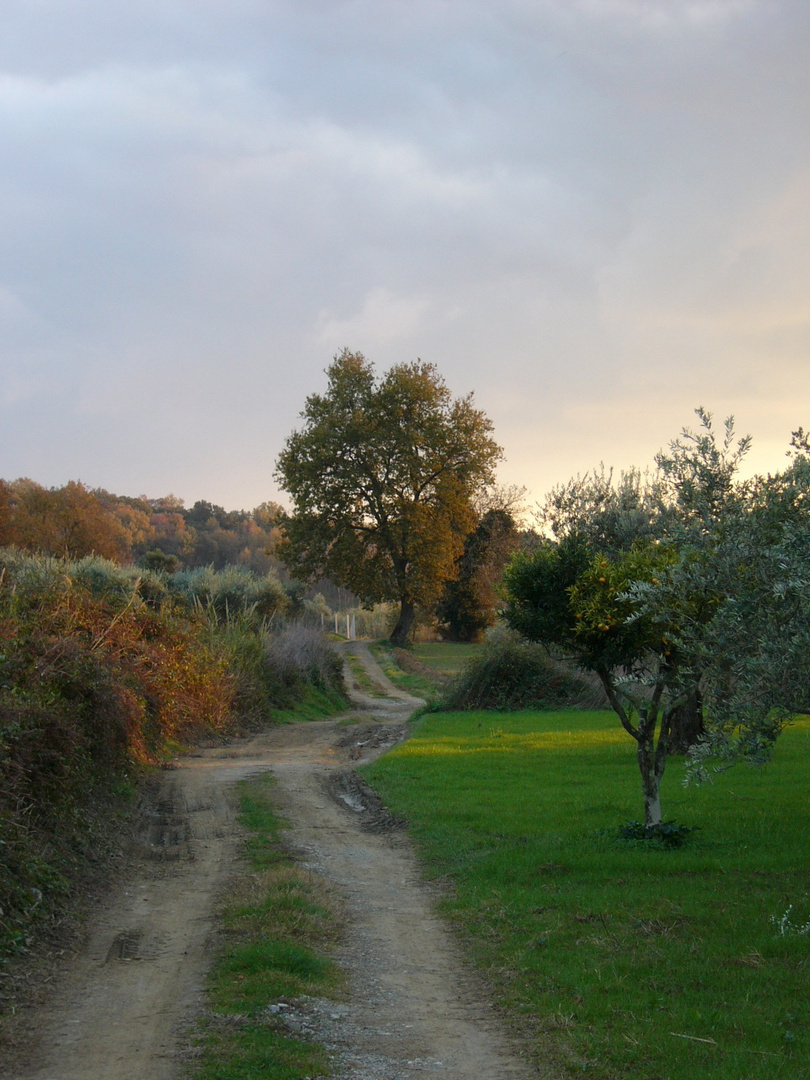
pixel 560 203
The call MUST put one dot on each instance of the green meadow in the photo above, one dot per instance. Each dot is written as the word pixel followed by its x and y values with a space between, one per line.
pixel 430 667
pixel 619 958
pixel 447 658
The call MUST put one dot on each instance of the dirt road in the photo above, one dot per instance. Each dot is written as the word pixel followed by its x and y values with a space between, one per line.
pixel 414 1011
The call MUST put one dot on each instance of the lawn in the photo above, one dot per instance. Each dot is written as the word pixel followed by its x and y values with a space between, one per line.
pixel 619 959
pixel 446 657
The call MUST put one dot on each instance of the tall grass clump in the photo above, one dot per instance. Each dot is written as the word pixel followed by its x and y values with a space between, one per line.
pixel 231 591
pixel 278 668
pixel 512 673
pixel 298 656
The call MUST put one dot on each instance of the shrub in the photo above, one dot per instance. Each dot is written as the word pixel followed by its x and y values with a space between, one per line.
pixel 513 673
pixel 300 654
pixel 104 578
pixel 230 592
pixel 31 574
pixel 109 580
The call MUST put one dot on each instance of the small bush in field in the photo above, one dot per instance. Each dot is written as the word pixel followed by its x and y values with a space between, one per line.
pixel 513 673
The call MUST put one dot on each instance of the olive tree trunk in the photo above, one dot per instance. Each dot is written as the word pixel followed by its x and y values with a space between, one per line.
pixel 686 724
pixel 651 754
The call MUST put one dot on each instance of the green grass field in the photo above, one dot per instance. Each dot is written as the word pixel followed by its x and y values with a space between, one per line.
pixel 619 960
pixel 446 657
pixel 434 664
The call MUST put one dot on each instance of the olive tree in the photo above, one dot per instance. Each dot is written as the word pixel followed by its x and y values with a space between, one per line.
pixel 575 601
pixel 688 584
pixel 383 474
pixel 744 547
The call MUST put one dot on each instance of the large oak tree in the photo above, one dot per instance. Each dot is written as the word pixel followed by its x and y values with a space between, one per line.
pixel 382 476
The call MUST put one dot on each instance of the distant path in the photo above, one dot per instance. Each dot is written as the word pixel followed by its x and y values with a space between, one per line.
pixel 414 1010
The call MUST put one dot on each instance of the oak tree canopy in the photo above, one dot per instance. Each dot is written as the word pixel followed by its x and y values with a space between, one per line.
pixel 382 476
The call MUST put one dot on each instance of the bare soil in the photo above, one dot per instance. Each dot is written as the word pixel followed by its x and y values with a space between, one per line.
pixel 122 1006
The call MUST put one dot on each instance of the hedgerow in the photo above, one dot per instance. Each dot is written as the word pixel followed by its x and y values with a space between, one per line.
pixel 105 670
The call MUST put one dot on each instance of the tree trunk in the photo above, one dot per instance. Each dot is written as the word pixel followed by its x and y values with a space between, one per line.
pixel 651 762
pixel 686 725
pixel 407 613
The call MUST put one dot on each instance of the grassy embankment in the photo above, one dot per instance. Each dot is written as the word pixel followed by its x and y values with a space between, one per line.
pixel 425 669
pixel 619 960
pixel 278 926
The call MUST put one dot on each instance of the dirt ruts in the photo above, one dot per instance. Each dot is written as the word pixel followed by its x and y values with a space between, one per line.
pixel 123 1005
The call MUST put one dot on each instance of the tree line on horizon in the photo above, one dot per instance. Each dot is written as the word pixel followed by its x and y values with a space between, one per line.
pixel 159 533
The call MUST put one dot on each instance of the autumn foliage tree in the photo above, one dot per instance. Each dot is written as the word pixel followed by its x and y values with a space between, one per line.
pixel 382 475
pixel 68 521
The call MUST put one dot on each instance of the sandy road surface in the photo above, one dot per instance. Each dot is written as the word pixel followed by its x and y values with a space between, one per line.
pixel 413 1010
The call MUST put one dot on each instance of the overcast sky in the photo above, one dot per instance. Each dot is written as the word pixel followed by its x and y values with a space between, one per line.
pixel 595 214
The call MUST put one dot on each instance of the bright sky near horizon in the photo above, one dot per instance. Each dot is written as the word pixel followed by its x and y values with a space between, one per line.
pixel 595 214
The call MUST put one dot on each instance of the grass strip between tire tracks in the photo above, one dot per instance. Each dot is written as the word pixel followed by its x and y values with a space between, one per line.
pixel 279 924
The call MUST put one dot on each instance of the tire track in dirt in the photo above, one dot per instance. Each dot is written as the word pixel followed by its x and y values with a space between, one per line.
pixel 414 1009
